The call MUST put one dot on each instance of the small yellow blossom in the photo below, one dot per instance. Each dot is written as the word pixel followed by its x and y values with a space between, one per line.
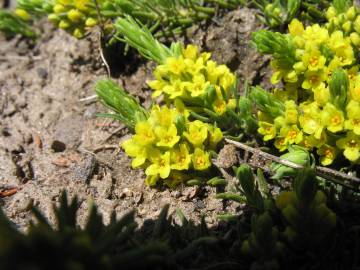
pixel 332 118
pixel 201 160
pixel 351 146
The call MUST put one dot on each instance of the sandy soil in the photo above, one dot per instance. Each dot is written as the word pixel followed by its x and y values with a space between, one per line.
pixel 50 140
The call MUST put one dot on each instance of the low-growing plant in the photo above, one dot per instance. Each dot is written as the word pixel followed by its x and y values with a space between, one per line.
pixel 78 17
pixel 318 107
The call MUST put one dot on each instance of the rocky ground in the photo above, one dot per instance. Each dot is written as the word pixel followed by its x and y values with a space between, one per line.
pixel 51 138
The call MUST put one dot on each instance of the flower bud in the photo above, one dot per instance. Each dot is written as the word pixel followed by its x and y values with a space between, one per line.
pixel 59 8
pixel 357 24
pixel 355 39
pixel 78 33
pixel 22 14
pixel 91 22
pixel 351 13
pixel 74 15
pixel 330 13
pixel 64 24
pixel 347 26
pixel 53 18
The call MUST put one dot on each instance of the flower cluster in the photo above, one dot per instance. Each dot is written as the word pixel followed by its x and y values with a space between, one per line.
pixel 196 80
pixel 320 105
pixel 75 16
pixel 167 144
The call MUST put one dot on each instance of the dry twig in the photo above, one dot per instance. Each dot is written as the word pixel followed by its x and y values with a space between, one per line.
pixel 326 173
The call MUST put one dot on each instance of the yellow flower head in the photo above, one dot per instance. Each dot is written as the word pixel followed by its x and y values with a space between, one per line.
pixel 332 118
pixel 296 28
pixel 199 85
pixel 215 136
pixel 144 133
pixel 310 120
pixel 321 94
pixel 175 65
pixel 351 146
pixel 190 52
pixel 201 160
pixel 219 106
pixel 135 150
pixel 167 136
pixel 291 113
pixel 327 154
pixel 196 133
pixel 313 60
pixel 313 79
pixel 316 34
pixel 281 143
pixel 268 130
pixel 160 164
pixel 353 115
pixel 292 134
pixel 180 158
pixel 355 89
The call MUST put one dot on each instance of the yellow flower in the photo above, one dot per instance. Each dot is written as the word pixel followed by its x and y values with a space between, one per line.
pixel 58 8
pixel 355 89
pixel 321 94
pixel 175 65
pixel 309 142
pixel 198 86
pixel 291 113
pixel 353 114
pixel 180 158
pixel 219 106
pixel 144 133
pixel 281 143
pixel 201 160
pixel 190 52
pixel 162 116
pixel 91 22
pixel 197 133
pixel 310 120
pixel 292 134
pixel 167 136
pixel 23 14
pixel 313 79
pixel 138 152
pixel 160 165
pixel 313 60
pixel 268 130
pixel 316 34
pixel 82 4
pixel 351 146
pixel 158 86
pixel 215 136
pixel 327 154
pixel 296 28
pixel 74 15
pixel 332 118
pixel 176 88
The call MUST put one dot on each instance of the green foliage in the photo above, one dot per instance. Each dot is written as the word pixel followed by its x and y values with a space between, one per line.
pixel 278 13
pixel 307 218
pixel 267 102
pixel 126 108
pixel 140 38
pixel 297 155
pixel 118 245
pixel 276 44
pixel 11 24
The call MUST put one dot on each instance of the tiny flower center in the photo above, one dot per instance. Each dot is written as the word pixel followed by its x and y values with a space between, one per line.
pixel 335 120
pixel 314 60
pixel 314 79
pixel 328 153
pixel 292 134
pixel 353 144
